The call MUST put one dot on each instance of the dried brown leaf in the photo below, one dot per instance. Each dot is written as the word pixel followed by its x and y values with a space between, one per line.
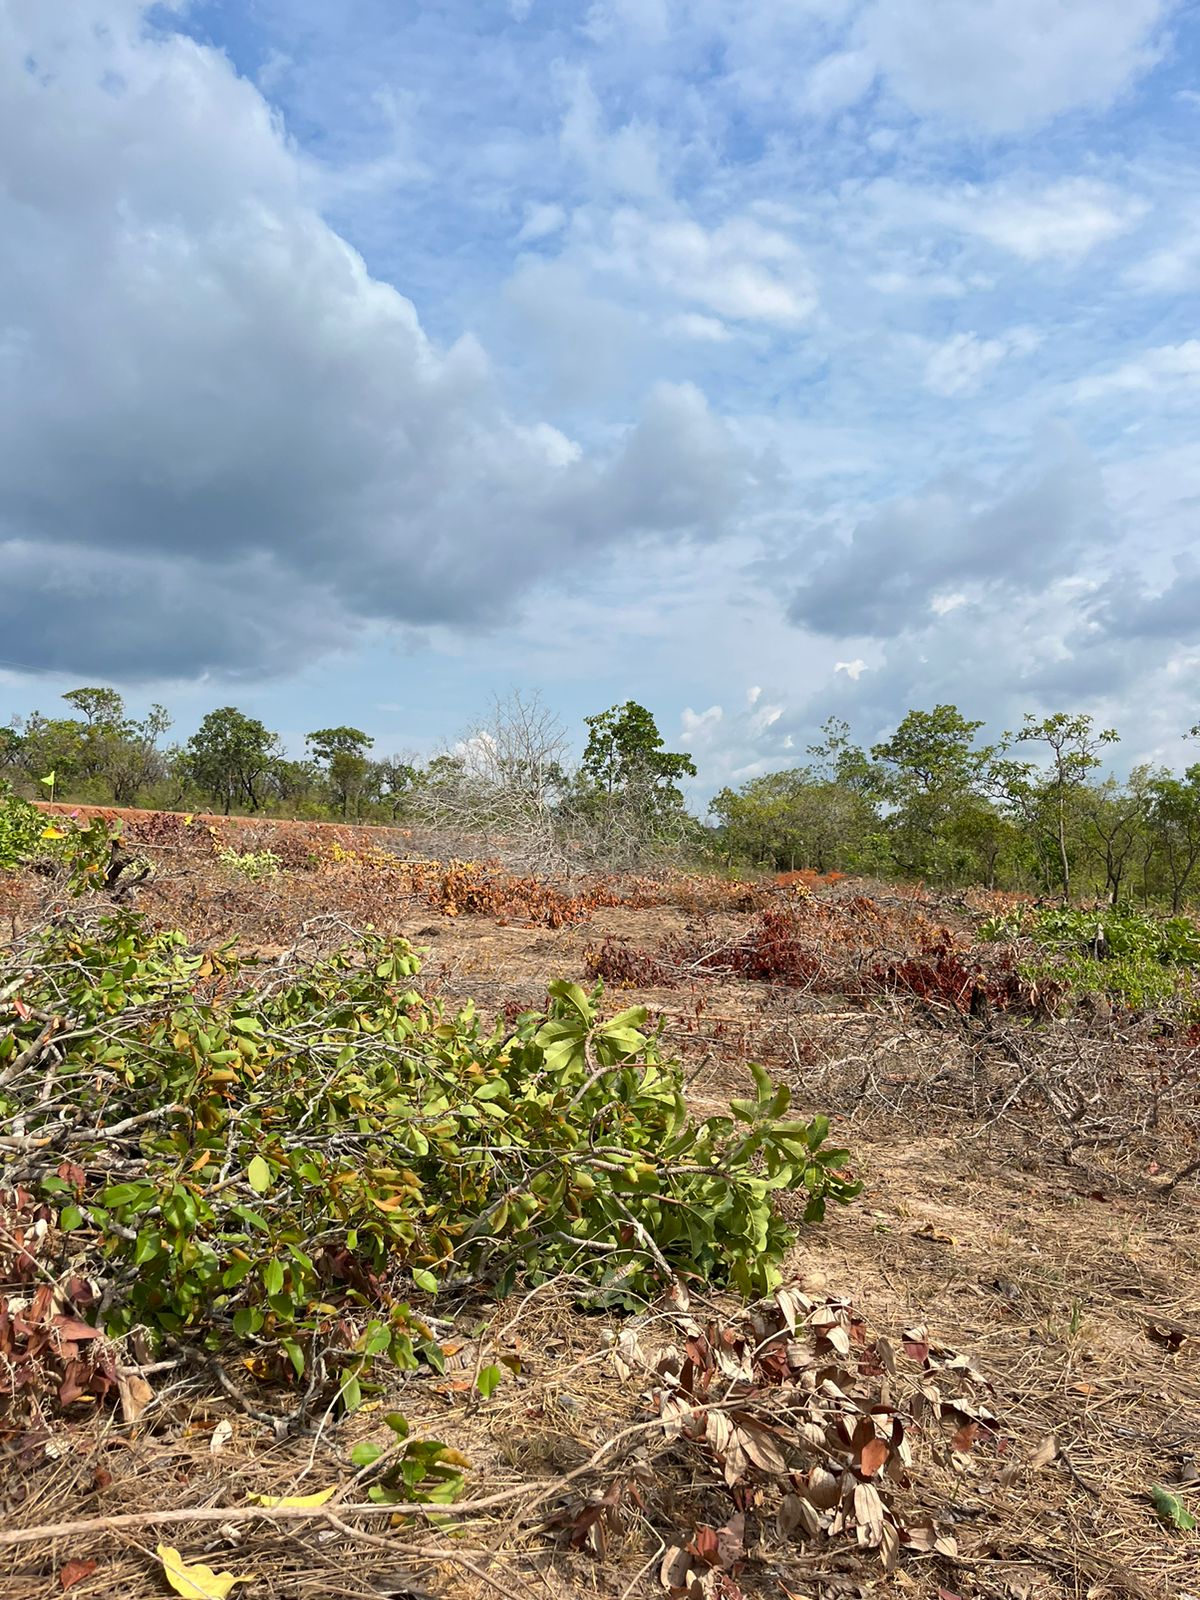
pixel 869 1516
pixel 762 1447
pixel 797 1514
pixel 74 1572
pixel 675 1568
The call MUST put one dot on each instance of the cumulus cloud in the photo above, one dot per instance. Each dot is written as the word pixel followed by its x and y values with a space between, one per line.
pixel 1126 608
pixel 1009 538
pixel 218 428
pixel 1006 65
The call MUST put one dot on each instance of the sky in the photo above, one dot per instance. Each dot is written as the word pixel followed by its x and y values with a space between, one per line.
pixel 759 360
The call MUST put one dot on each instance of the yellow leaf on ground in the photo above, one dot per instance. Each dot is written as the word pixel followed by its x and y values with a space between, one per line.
pixel 274 1501
pixel 196 1582
pixel 53 833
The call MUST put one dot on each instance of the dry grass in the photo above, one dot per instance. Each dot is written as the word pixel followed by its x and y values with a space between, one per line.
pixel 1015 1207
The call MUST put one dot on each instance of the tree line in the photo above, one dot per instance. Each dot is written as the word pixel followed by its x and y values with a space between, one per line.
pixel 1031 811
pixel 510 776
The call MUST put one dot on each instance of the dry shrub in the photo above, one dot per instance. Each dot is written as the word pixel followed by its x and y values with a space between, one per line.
pixel 822 946
pixel 806 878
pixel 942 977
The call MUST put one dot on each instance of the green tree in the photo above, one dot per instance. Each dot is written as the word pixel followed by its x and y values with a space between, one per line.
pixel 625 752
pixel 932 773
pixel 348 770
pixel 1174 822
pixel 1115 816
pixel 229 757
pixel 628 783
pixel 396 782
pixel 104 753
pixel 12 745
pixel 1047 800
pixel 843 762
pixel 100 707
pixel 798 818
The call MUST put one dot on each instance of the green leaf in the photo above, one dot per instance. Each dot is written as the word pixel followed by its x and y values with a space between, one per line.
pixel 489 1379
pixel 364 1453
pixel 572 995
pixel 259 1175
pixel 237 1269
pixel 424 1280
pixel 491 1091
pixel 351 1393
pixel 251 1217
pixel 272 1277
pixel 69 1218
pixel 1172 1509
pixel 635 1017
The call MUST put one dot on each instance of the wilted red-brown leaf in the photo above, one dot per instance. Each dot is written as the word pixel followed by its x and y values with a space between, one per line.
pixel 75 1572
pixel 72 1328
pixel 875 1455
pixel 705 1545
pixel 966 1436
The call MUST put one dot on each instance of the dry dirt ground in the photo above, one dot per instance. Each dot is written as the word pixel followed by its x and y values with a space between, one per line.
pixel 1050 1267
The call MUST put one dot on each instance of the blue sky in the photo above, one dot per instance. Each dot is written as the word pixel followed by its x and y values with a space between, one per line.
pixel 757 359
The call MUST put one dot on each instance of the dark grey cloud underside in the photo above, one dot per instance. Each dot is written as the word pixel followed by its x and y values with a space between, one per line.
pixel 223 446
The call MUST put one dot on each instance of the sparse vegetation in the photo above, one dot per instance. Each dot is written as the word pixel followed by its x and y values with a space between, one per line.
pixel 317 1227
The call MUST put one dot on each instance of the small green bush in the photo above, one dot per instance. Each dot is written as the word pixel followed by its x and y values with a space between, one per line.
pixel 1141 960
pixel 21 829
pixel 29 835
pixel 257 865
pixel 271 1162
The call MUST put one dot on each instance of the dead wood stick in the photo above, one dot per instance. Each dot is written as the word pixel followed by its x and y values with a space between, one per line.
pixel 540 1489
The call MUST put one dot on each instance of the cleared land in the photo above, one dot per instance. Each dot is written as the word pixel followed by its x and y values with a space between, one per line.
pixel 1014 1297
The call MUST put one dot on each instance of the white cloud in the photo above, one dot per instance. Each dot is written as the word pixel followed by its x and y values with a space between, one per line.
pixel 1062 221
pixel 694 325
pixel 646 19
pixel 853 669
pixel 837 81
pixel 1158 371
pixel 960 364
pixel 1006 65
pixel 541 221
pixel 740 270
pixel 625 160
pixel 700 728
pixel 1173 268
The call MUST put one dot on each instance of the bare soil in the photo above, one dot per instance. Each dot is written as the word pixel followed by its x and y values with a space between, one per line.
pixel 1048 1253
